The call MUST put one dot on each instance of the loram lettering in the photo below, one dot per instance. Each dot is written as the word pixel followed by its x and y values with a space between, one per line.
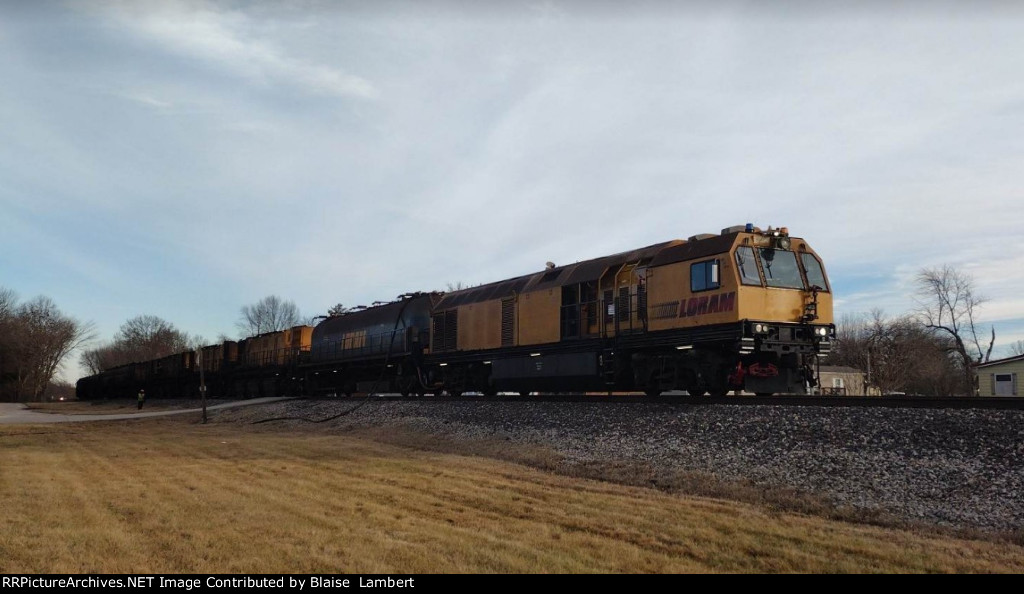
pixel 707 304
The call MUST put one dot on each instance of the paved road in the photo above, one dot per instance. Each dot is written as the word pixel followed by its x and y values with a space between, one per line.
pixel 17 413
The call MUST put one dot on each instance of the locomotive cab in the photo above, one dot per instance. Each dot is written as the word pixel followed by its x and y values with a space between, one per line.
pixel 747 310
pixel 786 312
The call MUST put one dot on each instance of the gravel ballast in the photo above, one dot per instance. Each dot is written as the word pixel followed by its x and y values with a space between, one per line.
pixel 951 468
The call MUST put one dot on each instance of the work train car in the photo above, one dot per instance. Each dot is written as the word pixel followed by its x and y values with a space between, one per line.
pixel 742 310
pixel 117 382
pixel 268 364
pixel 264 365
pixel 379 348
pixel 745 309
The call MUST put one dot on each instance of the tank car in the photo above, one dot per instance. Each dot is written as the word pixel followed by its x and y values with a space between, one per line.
pixel 379 348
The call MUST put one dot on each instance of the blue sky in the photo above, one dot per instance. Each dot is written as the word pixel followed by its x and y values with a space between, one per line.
pixel 185 158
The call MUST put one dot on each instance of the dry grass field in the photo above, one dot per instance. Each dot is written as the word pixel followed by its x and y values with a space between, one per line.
pixel 169 495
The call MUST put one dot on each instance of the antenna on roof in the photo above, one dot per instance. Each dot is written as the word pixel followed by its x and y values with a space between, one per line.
pixel 549 265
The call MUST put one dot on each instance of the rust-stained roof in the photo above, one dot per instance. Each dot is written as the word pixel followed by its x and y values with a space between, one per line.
pixel 570 274
pixel 692 250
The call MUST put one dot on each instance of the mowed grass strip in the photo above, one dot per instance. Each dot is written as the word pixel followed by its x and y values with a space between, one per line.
pixel 112 407
pixel 169 495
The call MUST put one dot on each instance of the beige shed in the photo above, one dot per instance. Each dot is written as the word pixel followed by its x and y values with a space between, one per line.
pixel 1000 377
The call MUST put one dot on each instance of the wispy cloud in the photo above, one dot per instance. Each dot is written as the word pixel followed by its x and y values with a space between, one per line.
pixel 146 99
pixel 226 39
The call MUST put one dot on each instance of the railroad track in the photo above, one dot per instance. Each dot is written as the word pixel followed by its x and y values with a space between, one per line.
pixel 944 402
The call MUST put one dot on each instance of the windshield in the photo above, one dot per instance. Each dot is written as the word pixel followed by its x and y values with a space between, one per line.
pixel 747 265
pixel 815 275
pixel 780 269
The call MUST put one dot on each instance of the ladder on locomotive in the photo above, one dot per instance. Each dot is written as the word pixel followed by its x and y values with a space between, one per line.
pixel 609 370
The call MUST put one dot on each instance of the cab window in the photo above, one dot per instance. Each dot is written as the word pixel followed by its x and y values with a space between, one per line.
pixel 747 265
pixel 780 269
pixel 815 275
pixel 704 276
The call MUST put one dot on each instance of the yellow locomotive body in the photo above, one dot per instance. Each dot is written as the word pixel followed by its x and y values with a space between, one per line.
pixel 745 309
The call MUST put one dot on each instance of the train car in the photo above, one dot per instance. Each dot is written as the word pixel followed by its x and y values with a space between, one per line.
pixel 217 363
pixel 745 309
pixel 269 364
pixel 123 381
pixel 169 377
pixel 742 310
pixel 379 348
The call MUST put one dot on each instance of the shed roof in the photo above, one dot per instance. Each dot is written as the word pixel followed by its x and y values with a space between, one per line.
pixel 840 369
pixel 1013 359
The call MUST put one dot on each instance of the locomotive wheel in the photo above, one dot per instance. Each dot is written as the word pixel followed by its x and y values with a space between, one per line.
pixel 719 387
pixel 696 389
pixel 652 388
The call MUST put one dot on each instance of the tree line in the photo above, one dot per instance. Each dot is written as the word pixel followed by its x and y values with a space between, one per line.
pixel 36 339
pixel 147 337
pixel 929 351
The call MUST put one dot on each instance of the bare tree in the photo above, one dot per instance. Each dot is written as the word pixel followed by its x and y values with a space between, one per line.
pixel 852 338
pixel 269 314
pixel 39 338
pixel 150 337
pixel 337 310
pixel 8 304
pixel 898 354
pixel 948 306
pixel 1017 348
pixel 99 359
pixel 142 338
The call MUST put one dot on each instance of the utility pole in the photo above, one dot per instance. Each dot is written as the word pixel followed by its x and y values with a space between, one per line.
pixel 202 379
pixel 869 369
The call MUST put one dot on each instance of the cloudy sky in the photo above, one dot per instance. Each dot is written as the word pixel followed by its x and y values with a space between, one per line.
pixel 185 158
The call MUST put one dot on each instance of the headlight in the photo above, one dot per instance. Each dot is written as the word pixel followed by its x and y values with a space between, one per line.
pixel 760 328
pixel 822 331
